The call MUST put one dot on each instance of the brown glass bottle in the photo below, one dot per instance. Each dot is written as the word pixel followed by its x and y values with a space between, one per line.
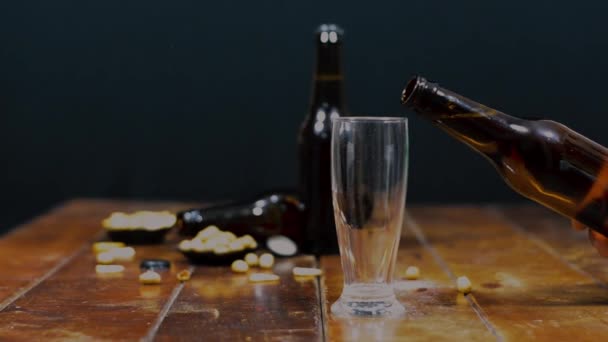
pixel 543 160
pixel 263 216
pixel 327 102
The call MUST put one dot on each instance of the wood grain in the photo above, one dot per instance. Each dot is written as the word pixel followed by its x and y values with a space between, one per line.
pixel 526 292
pixel 435 310
pixel 222 306
pixel 534 279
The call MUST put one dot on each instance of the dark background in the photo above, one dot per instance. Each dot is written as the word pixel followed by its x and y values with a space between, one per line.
pixel 202 99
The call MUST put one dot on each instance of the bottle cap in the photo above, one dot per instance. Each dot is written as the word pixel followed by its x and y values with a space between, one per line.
pixel 281 245
pixel 154 264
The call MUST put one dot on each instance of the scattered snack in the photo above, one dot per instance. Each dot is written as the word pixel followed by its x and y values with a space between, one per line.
pixel 239 266
pixel 266 260
pixel 207 233
pixel 263 277
pixel 251 259
pixel 306 272
pixel 149 277
pixel 214 246
pixel 105 257
pixel 105 246
pixel 412 273
pixel 122 253
pixel 464 285
pixel 184 275
pixel 154 264
pixel 109 269
pixel 141 227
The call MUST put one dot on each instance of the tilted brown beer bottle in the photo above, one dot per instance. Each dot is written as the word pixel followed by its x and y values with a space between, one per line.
pixel 314 140
pixel 543 160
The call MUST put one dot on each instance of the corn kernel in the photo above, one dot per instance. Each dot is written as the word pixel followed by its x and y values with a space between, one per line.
pixel 197 246
pixel 306 272
pixel 221 249
pixel 105 246
pixel 185 245
pixel 207 233
pixel 105 257
pixel 239 266
pixel 464 285
pixel 236 246
pixel 123 253
pixel 266 260
pixel 251 259
pixel 262 277
pixel 184 275
pixel 412 273
pixel 229 235
pixel 105 269
pixel 248 241
pixel 149 277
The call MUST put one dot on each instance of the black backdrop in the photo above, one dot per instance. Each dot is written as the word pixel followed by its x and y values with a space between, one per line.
pixel 202 99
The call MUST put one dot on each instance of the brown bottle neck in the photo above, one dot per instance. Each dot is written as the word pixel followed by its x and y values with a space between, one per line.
pixel 328 79
pixel 478 126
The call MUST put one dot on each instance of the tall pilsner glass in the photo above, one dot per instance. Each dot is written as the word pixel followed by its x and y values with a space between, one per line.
pixel 369 157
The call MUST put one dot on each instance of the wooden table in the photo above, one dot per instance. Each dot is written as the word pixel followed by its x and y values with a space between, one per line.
pixel 533 278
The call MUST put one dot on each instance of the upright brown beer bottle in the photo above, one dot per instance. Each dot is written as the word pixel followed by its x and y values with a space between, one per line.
pixel 543 160
pixel 314 139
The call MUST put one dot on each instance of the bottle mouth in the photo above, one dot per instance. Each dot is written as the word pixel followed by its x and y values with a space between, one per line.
pixel 411 87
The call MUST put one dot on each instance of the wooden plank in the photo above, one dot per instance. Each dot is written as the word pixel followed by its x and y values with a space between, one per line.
pixel 554 233
pixel 526 292
pixel 435 310
pixel 52 291
pixel 75 303
pixel 217 305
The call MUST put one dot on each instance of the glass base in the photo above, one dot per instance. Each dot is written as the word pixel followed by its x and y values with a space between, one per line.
pixel 365 300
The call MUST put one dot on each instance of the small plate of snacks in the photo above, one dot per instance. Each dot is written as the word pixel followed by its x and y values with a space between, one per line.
pixel 140 227
pixel 212 246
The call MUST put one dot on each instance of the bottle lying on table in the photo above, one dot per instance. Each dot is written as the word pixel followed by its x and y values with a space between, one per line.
pixel 543 160
pixel 264 216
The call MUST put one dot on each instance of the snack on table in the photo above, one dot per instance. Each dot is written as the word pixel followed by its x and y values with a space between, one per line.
pixel 149 278
pixel 140 227
pixel 266 260
pixel 216 247
pixel 109 269
pixel 263 277
pixel 306 272
pixel 239 266
pixel 412 273
pixel 105 246
pixel 251 259
pixel 464 285
pixel 184 275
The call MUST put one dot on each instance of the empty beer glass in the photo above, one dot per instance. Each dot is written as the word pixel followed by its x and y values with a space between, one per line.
pixel 369 181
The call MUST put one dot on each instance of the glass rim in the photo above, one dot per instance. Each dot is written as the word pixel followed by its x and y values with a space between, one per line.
pixel 370 119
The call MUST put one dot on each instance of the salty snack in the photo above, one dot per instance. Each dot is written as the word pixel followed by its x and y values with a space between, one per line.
pixel 412 273
pixel 214 246
pixel 140 227
pixel 184 275
pixel 105 246
pixel 109 269
pixel 463 284
pixel 149 277
pixel 266 260
pixel 306 272
pixel 251 259
pixel 263 277
pixel 239 266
